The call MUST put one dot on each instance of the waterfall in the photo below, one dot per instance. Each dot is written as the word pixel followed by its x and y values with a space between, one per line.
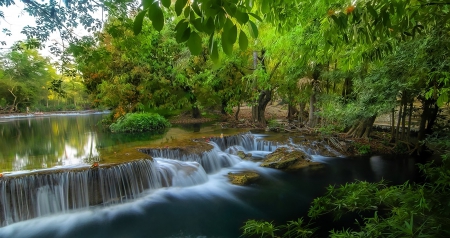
pixel 32 195
pixel 211 161
pixel 246 141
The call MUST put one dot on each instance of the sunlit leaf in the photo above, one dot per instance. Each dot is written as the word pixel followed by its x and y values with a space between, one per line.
pixel 253 29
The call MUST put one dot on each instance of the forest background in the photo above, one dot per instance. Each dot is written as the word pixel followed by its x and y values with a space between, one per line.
pixel 337 65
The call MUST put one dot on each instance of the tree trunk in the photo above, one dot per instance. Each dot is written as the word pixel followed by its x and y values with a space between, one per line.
pixel 405 108
pixel 408 133
pixel 392 126
pixel 423 121
pixel 258 110
pixel 399 119
pixel 292 111
pixel 195 112
pixel 236 115
pixel 223 106
pixel 302 106
pixel 432 118
pixel 363 128
pixel 312 109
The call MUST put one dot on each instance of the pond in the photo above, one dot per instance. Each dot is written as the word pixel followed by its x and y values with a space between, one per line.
pixel 204 203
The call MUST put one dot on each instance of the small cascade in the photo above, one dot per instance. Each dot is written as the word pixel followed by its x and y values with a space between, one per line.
pixel 211 161
pixel 181 174
pixel 28 196
pixel 246 141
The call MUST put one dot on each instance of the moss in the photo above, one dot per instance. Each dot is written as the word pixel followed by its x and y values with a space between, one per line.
pixel 243 178
pixel 288 159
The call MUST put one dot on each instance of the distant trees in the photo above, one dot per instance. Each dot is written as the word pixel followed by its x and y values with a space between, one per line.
pixel 29 80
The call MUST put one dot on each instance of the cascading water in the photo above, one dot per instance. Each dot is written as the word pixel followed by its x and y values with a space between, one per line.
pixel 48 192
pixel 28 196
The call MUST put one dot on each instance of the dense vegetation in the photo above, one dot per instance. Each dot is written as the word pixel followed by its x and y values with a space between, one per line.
pixel 138 122
pixel 407 210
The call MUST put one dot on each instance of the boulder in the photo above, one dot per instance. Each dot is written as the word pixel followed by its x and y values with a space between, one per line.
pixel 243 178
pixel 288 159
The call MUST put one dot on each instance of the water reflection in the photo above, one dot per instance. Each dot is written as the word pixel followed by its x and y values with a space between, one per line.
pixel 65 140
pixel 44 142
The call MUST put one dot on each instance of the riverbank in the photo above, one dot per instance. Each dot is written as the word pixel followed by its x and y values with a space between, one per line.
pixel 54 113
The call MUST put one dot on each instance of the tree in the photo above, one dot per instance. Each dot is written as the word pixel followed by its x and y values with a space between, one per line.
pixel 25 74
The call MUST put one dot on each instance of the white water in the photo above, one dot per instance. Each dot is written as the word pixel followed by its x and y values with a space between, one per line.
pixel 68 197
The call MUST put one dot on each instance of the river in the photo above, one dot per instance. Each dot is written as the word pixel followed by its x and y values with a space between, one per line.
pixel 202 204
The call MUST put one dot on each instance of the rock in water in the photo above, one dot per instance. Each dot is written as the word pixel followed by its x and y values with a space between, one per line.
pixel 243 178
pixel 288 159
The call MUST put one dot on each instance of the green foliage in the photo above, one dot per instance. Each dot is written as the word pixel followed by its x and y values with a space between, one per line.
pixel 406 210
pixel 296 228
pixel 138 122
pixel 274 125
pixel 362 149
pixel 263 228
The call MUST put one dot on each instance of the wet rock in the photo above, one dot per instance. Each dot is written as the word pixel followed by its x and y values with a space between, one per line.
pixel 243 178
pixel 288 159
pixel 243 155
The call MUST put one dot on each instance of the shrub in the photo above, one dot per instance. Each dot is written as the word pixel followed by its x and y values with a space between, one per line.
pixel 138 122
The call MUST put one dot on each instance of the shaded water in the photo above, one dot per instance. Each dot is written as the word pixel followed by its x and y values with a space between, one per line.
pixel 190 196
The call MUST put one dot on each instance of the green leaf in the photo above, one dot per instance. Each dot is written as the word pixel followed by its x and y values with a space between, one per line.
pixel 226 46
pixel 147 3
pixel 230 9
pixel 214 51
pixel 228 24
pixel 241 17
pixel 243 41
pixel 209 26
pixel 253 29
pixel 179 5
pixel 372 11
pixel 183 33
pixel 156 15
pixel 265 6
pixel 443 98
pixel 196 9
pixel 137 25
pixel 220 20
pixel 198 24
pixel 187 11
pixel 166 3
pixel 255 16
pixel 195 44
pixel 232 35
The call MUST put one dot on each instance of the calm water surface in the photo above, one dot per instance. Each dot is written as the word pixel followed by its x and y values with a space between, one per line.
pixel 66 140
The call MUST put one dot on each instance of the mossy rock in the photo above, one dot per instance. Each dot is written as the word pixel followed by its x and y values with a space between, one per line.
pixel 288 159
pixel 243 155
pixel 243 178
